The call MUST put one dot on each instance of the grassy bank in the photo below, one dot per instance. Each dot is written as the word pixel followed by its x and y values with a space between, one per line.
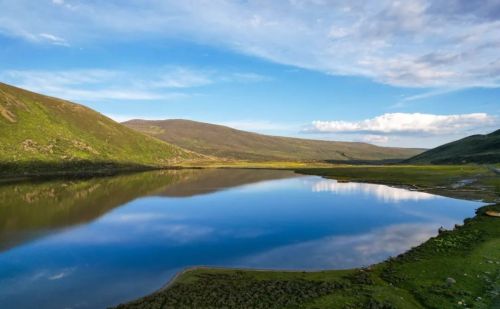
pixel 456 269
pixel 288 165
pixel 460 181
pixel 10 171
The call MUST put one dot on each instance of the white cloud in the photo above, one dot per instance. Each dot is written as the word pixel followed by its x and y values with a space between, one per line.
pixel 406 123
pixel 422 43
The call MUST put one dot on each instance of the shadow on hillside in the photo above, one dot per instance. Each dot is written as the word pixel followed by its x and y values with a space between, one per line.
pixel 16 170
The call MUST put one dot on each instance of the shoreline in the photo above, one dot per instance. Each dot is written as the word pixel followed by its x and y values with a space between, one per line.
pixel 191 277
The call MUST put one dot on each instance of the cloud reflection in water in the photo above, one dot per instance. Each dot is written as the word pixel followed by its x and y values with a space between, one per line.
pixel 344 251
pixel 381 192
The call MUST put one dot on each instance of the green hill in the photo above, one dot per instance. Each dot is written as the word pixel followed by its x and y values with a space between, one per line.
pixel 221 141
pixel 474 148
pixel 38 132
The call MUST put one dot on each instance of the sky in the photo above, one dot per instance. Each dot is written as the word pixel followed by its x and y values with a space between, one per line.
pixel 393 73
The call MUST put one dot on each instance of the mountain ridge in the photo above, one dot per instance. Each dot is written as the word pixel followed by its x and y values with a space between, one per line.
pixel 227 142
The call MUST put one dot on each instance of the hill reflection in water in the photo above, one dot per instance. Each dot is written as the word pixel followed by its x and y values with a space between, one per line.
pixel 123 237
pixel 32 209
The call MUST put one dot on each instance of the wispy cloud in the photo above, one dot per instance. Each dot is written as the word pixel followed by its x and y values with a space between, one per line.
pixel 424 95
pixel 422 43
pixel 344 251
pixel 169 83
pixel 54 39
pixel 61 274
pixel 181 78
pixel 86 85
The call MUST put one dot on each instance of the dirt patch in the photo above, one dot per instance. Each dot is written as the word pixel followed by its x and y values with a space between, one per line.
pixel 492 213
pixel 8 115
pixel 82 146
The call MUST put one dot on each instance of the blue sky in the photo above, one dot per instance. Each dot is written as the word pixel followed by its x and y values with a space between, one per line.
pixel 409 73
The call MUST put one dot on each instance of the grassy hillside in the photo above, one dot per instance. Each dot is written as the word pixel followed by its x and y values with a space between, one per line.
pixel 226 142
pixel 37 130
pixel 475 148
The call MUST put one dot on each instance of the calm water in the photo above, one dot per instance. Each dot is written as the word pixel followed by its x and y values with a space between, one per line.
pixel 98 242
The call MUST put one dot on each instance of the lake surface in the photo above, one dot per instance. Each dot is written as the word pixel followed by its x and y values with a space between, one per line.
pixel 93 243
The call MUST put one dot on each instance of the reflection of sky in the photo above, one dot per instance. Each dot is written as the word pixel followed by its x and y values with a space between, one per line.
pixel 382 192
pixel 338 252
pixel 297 223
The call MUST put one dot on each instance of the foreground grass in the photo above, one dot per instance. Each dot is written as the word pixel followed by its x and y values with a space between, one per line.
pixel 456 269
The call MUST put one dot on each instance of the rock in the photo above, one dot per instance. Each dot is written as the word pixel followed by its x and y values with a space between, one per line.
pixel 441 230
pixel 450 281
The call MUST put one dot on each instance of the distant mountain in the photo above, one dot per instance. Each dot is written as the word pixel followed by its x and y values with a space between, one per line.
pixel 221 141
pixel 36 129
pixel 474 148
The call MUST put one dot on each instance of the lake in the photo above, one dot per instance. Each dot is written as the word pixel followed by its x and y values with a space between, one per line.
pixel 92 243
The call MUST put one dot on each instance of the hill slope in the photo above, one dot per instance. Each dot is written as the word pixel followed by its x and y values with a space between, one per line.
pixel 37 129
pixel 221 141
pixel 474 148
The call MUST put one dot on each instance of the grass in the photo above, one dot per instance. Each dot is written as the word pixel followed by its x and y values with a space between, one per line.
pixel 288 165
pixel 37 129
pixel 456 269
pixel 474 148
